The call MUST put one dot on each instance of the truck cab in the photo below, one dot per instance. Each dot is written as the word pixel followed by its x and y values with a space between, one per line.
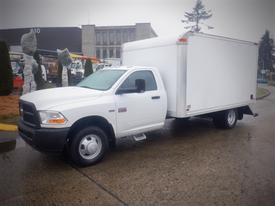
pixel 86 120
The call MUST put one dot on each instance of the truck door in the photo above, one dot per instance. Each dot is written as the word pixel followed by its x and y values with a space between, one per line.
pixel 139 112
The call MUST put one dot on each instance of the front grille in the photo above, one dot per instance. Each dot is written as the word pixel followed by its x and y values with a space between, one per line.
pixel 28 113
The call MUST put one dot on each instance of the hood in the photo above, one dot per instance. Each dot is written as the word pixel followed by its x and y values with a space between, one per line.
pixel 48 98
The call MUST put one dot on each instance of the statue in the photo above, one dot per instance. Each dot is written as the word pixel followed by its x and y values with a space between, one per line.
pixel 65 60
pixel 29 46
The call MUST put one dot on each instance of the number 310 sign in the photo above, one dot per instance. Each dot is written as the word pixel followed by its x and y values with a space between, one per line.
pixel 36 30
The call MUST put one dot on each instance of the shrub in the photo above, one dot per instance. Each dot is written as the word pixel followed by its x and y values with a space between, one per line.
pixel 6 78
pixel 88 68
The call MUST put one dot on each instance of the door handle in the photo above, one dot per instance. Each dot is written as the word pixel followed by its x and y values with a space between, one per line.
pixel 156 97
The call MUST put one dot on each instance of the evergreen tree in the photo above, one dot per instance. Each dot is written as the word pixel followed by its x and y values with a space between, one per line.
pixel 198 14
pixel 6 77
pixel 88 68
pixel 266 51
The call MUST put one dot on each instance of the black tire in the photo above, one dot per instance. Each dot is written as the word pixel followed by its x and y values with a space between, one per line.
pixel 93 133
pixel 112 145
pixel 226 119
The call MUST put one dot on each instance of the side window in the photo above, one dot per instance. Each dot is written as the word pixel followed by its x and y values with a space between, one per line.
pixel 150 82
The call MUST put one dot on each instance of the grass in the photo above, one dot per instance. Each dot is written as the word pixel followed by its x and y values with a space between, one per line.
pixel 261 92
pixel 9 119
pixel 9 112
pixel 271 83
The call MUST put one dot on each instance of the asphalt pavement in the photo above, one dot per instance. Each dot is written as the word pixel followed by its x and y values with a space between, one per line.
pixel 186 163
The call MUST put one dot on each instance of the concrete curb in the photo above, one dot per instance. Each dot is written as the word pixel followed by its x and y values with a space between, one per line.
pixel 265 95
pixel 8 127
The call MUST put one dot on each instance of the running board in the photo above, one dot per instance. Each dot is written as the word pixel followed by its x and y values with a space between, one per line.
pixel 139 137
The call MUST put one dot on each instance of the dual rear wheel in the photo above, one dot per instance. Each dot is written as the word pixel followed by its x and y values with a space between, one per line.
pixel 226 119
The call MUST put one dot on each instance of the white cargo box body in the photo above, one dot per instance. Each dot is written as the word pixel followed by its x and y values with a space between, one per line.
pixel 202 73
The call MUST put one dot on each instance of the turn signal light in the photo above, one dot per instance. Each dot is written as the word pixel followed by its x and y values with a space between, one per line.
pixel 56 121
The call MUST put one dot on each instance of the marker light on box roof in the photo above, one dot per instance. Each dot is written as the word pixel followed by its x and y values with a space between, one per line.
pixel 183 40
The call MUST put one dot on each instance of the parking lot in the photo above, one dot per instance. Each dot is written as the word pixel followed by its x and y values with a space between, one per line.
pixel 186 163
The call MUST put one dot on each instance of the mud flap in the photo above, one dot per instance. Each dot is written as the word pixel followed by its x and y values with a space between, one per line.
pixel 246 110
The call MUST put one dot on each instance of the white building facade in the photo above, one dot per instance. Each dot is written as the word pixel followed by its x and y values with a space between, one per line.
pixel 105 41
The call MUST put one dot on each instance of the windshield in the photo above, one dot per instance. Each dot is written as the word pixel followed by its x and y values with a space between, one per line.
pixel 102 79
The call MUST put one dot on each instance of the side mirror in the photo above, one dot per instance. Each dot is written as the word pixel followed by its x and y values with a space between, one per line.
pixel 140 85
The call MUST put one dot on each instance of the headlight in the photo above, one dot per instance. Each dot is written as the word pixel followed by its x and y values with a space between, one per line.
pixel 51 117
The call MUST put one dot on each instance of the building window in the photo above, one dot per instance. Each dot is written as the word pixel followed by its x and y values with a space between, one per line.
pixel 104 53
pixel 118 38
pixel 132 36
pixel 125 36
pixel 105 38
pixel 98 38
pixel 111 53
pixel 117 52
pixel 98 53
pixel 112 37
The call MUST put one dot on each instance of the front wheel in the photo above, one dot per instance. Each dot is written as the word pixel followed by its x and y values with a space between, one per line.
pixel 226 119
pixel 88 146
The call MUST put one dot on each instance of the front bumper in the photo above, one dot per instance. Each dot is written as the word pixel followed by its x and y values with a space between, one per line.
pixel 51 140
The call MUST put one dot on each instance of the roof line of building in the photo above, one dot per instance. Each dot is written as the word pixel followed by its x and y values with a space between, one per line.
pixel 115 27
pixel 77 27
pixel 43 27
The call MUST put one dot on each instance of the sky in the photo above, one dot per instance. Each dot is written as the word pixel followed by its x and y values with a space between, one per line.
pixel 242 19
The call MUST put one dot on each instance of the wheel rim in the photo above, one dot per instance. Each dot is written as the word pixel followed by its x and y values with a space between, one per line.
pixel 90 146
pixel 231 118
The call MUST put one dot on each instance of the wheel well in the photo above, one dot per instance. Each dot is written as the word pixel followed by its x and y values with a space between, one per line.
pixel 92 121
pixel 240 112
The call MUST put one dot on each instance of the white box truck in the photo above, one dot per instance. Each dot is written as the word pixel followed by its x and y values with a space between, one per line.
pixel 193 75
